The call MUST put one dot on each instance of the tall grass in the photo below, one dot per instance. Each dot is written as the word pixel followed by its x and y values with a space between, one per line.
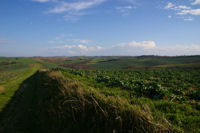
pixel 65 106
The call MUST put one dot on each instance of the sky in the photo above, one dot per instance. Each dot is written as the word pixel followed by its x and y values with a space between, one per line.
pixel 99 27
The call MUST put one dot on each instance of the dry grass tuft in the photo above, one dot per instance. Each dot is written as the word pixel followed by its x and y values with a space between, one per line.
pixel 65 106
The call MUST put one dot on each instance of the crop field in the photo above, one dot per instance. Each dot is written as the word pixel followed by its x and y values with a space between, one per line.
pixel 146 94
pixel 142 62
pixel 122 62
pixel 173 92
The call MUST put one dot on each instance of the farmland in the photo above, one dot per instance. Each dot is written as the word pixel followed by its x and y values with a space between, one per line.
pixel 123 94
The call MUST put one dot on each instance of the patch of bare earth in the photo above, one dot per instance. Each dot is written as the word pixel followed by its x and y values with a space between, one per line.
pixel 51 59
pixel 1 88
pixel 79 65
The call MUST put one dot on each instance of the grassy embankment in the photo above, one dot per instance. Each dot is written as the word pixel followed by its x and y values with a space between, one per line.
pixel 49 102
pixel 64 102
pixel 183 114
pixel 11 80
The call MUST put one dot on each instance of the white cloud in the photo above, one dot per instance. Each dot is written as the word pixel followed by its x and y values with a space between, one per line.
pixel 169 16
pixel 67 39
pixel 132 48
pixel 183 7
pixel 177 50
pixel 73 16
pixel 189 12
pixel 196 2
pixel 83 47
pixel 124 7
pixel 72 10
pixel 64 47
pixel 45 1
pixel 125 10
pixel 81 41
pixel 172 6
pixel 143 44
pixel 169 5
pixel 41 1
pixel 183 10
pixel 189 19
pixel 153 49
pixel 77 49
pixel 75 6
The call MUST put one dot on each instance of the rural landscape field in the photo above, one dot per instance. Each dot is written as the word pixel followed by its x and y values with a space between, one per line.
pixel 144 94
pixel 99 66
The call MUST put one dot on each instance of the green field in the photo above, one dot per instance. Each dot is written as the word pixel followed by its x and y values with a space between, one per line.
pixel 146 94
pixel 141 62
pixel 12 76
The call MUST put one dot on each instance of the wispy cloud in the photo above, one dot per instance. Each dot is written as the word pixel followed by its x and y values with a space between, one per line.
pixel 169 16
pixel 67 39
pixel 81 41
pixel 143 44
pixel 125 10
pixel 188 19
pixel 172 6
pixel 41 1
pixel 189 12
pixel 71 10
pixel 196 2
pixel 183 10
pixel 77 49
pixel 124 7
pixel 74 6
pixel 169 5
pixel 73 16
pixel 127 48
pixel 60 39
pixel 177 50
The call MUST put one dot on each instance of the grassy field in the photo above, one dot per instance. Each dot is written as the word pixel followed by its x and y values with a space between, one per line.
pixel 147 94
pixel 142 62
pixel 10 82
pixel 169 93
pixel 121 62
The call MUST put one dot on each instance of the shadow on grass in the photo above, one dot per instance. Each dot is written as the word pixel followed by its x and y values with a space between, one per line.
pixel 19 115
pixel 46 102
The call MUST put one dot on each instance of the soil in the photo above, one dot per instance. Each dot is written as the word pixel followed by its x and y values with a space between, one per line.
pixel 51 59
pixel 1 88
pixel 80 65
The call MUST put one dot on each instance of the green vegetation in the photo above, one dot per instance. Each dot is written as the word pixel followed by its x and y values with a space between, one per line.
pixel 13 71
pixel 172 93
pixel 141 62
pixel 123 94
pixel 10 82
pixel 58 104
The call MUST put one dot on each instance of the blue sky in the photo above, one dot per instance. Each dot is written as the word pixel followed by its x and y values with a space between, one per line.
pixel 99 27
